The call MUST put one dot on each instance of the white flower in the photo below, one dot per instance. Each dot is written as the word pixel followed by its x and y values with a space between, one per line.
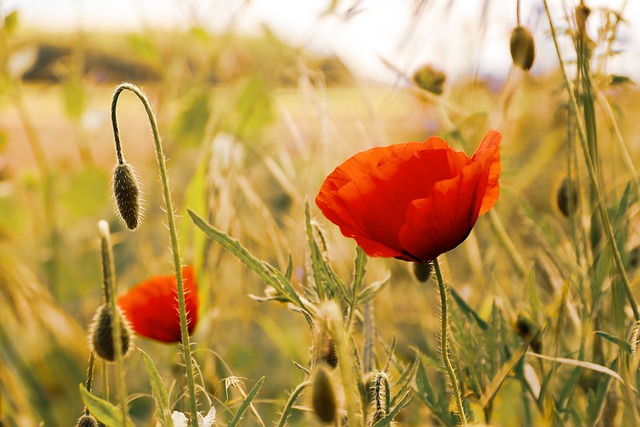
pixel 180 419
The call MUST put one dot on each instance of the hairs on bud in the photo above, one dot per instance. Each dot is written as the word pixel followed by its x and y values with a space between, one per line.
pixel 323 397
pixel 127 194
pixel 100 335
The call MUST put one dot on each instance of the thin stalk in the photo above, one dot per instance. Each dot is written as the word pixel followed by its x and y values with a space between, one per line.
pixel 89 382
pixel 289 405
pixel 186 346
pixel 604 215
pixel 109 289
pixel 444 343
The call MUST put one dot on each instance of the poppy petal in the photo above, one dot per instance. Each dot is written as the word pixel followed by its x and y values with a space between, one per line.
pixel 151 307
pixel 488 152
pixel 361 196
pixel 443 220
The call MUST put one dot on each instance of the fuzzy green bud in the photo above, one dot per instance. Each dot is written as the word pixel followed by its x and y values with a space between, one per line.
pixel 523 50
pixel 567 197
pixel 430 79
pixel 87 420
pixel 323 397
pixel 101 334
pixel 127 194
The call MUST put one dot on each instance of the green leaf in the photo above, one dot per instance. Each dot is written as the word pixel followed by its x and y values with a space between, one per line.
pixel 288 407
pixel 246 403
pixel 467 310
pixel 11 22
pixel 268 274
pixel 386 421
pixel 192 122
pixel 105 412
pixel 622 343
pixel 159 392
pixel 327 283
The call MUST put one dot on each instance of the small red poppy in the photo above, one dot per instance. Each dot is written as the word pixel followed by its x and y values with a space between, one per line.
pixel 151 307
pixel 412 201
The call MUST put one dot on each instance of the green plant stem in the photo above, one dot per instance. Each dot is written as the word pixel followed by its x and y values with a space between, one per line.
pixel 186 346
pixel 89 382
pixel 444 343
pixel 109 290
pixel 286 411
pixel 604 216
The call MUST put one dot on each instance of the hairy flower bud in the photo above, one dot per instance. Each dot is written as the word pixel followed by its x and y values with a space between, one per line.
pixel 101 334
pixel 430 79
pixel 87 421
pixel 523 50
pixel 323 398
pixel 127 194
pixel 567 197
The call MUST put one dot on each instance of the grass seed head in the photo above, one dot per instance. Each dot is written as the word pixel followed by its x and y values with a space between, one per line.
pixel 127 194
pixel 87 420
pixel 523 50
pixel 323 398
pixel 101 336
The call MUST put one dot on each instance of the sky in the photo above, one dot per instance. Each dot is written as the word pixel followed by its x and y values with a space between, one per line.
pixel 459 37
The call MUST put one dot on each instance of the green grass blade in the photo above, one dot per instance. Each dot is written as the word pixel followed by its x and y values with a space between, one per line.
pixel 261 268
pixel 288 407
pixel 246 403
pixel 158 390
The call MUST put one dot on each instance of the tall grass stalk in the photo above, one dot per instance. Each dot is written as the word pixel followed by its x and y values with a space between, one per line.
pixel 593 175
pixel 109 289
pixel 444 343
pixel 186 345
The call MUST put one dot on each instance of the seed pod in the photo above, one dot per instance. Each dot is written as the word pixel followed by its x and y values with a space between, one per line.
pixel 127 194
pixel 323 397
pixel 430 79
pixel 422 270
pixel 523 50
pixel 567 197
pixel 87 420
pixel 101 335
pixel 528 330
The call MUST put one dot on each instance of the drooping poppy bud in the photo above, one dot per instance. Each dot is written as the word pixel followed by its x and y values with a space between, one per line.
pixel 127 195
pixel 523 50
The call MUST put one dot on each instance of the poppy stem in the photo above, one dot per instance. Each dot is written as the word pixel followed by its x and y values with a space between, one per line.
pixel 186 345
pixel 444 343
pixel 109 292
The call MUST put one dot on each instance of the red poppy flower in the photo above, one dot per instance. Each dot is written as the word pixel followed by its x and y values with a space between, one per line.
pixel 412 201
pixel 151 307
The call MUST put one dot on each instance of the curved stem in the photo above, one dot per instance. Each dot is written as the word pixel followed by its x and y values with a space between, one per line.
pixel 186 346
pixel 444 344
pixel 109 292
pixel 593 176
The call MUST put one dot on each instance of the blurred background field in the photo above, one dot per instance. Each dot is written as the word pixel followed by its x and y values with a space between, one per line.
pixel 251 125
